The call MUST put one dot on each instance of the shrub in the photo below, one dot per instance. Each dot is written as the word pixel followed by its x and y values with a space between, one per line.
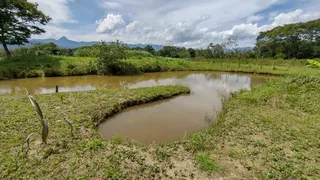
pixel 313 63
pixel 28 73
pixel 109 60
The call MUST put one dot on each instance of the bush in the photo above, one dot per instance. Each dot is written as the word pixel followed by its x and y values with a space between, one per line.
pixel 8 73
pixel 110 60
pixel 313 63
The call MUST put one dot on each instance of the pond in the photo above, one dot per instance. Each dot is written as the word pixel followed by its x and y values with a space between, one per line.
pixel 161 121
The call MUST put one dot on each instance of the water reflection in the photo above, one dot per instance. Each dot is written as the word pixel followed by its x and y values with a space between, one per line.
pixel 169 120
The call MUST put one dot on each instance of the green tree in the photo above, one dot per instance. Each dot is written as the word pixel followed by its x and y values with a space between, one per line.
pixel 192 52
pixel 109 56
pixel 150 49
pixel 17 22
pixel 169 51
pixel 217 50
pixel 44 49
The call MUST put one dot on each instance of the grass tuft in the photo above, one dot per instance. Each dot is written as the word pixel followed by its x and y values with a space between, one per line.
pixel 205 163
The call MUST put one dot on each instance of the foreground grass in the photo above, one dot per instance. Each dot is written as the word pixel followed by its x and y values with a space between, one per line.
pixel 50 66
pixel 86 155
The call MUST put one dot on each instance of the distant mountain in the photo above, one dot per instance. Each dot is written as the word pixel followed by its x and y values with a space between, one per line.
pixel 67 43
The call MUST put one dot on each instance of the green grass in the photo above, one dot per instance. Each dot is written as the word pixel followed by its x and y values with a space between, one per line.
pixel 49 66
pixel 65 154
pixel 206 163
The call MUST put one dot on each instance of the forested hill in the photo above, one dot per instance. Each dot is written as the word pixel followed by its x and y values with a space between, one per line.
pixel 300 40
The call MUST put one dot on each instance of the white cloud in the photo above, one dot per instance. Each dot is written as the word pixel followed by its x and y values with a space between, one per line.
pixel 110 23
pixel 244 31
pixel 132 27
pixel 58 10
pixel 294 17
pixel 254 18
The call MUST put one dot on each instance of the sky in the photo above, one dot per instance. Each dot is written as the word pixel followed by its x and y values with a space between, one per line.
pixel 188 23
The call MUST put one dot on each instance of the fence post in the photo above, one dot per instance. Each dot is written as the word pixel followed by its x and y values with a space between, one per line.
pixel 57 88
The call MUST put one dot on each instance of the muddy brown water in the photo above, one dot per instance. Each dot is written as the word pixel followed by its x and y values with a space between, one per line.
pixel 161 121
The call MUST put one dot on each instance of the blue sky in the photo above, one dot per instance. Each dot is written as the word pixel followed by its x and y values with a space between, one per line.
pixel 189 23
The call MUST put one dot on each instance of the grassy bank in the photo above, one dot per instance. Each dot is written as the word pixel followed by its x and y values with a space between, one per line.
pixel 49 66
pixel 65 156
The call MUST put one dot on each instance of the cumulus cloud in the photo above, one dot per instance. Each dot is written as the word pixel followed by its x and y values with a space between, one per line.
pixel 110 23
pixel 294 17
pixel 58 10
pixel 184 31
pixel 254 18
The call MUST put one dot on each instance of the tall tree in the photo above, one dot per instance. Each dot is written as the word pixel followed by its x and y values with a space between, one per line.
pixel 18 21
